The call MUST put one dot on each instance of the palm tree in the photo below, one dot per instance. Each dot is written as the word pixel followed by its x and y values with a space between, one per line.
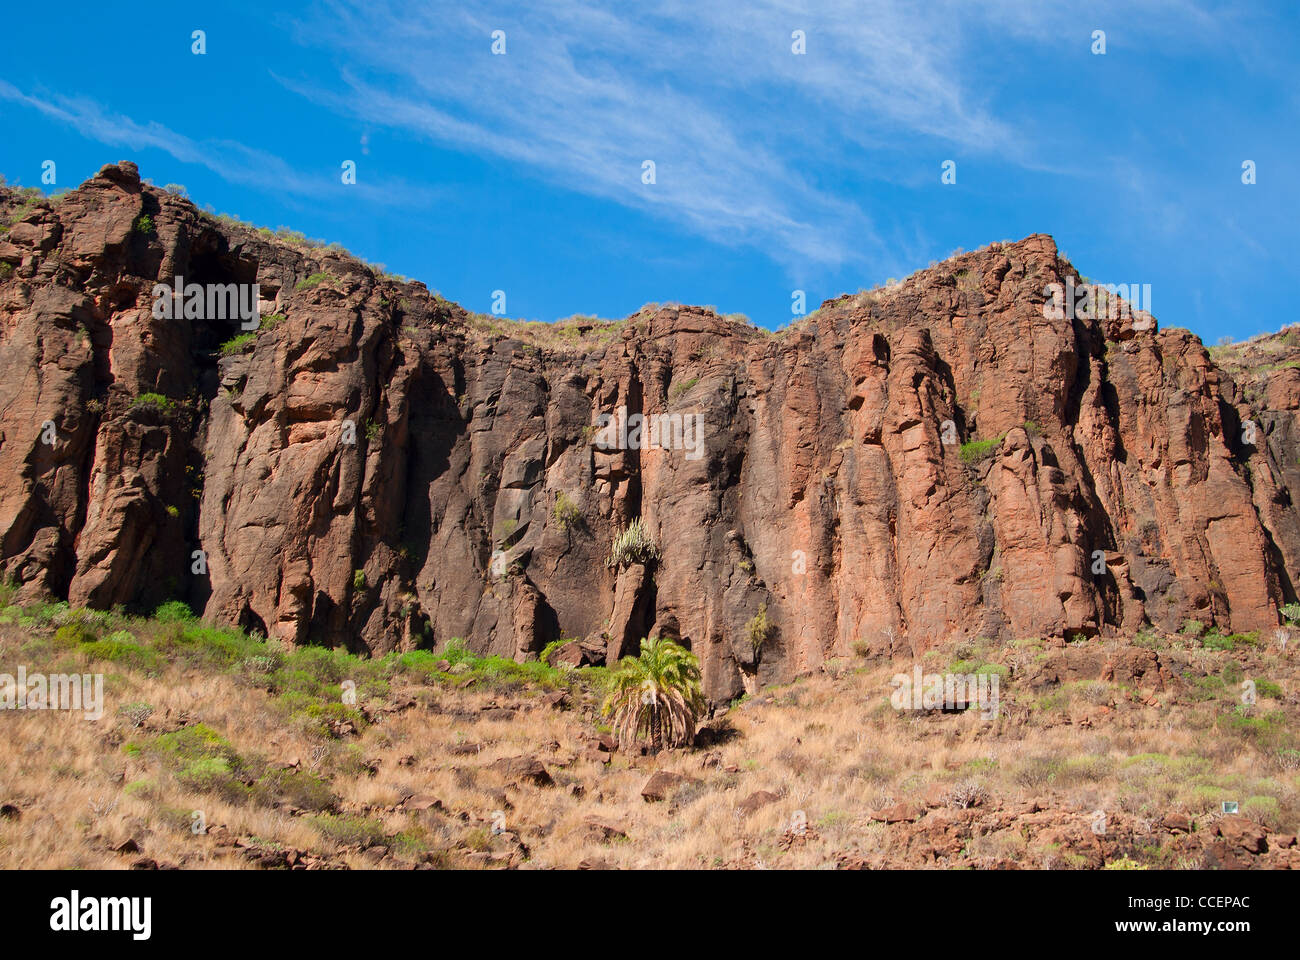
pixel 656 695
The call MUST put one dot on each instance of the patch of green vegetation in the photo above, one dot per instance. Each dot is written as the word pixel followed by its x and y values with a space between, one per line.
pixel 1214 640
pixel 144 225
pixel 1267 688
pixel 1125 863
pixel 1262 808
pixel 200 758
pixel 306 283
pixel 550 648
pixel 1201 689
pixel 236 344
pixel 974 451
pixel 75 634
pixel 1093 691
pixel 173 611
pixel 121 647
pixel 633 545
pixel 1148 639
pixel 500 672
pixel 347 831
pixel 680 388
pixel 565 512
pixel 155 401
pixel 1088 768
pixel 759 629
pixel 1264 728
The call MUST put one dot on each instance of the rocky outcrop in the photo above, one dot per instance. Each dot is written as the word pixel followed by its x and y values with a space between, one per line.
pixel 377 467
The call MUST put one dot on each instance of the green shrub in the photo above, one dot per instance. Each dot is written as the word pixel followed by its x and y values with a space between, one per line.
pixel 206 773
pixel 155 401
pixel 195 742
pixel 199 643
pixel 977 450
pixel 565 512
pixel 1125 863
pixel 1216 641
pixel 322 663
pixel 1262 808
pixel 1038 771
pixel 419 663
pixel 633 545
pixel 173 611
pixel 237 344
pixel 550 648
pixel 308 282
pixel 1267 688
pixel 74 634
pixel 297 787
pixel 136 712
pixel 121 648
pixel 348 830
pixel 1264 728
pixel 144 224
pixel 759 629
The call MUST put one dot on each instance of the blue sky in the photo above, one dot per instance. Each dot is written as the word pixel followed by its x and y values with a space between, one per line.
pixel 774 171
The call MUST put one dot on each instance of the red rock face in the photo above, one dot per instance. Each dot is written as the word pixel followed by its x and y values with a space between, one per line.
pixel 380 469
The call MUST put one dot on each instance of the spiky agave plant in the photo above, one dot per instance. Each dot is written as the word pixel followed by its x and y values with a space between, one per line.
pixel 656 696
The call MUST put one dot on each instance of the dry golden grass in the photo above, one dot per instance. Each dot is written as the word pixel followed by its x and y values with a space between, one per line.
pixel 830 747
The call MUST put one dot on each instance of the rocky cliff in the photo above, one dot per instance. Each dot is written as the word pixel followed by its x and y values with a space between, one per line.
pixel 377 467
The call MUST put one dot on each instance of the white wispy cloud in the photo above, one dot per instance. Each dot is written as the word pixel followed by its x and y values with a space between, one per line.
pixel 753 144
pixel 713 94
pixel 231 160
